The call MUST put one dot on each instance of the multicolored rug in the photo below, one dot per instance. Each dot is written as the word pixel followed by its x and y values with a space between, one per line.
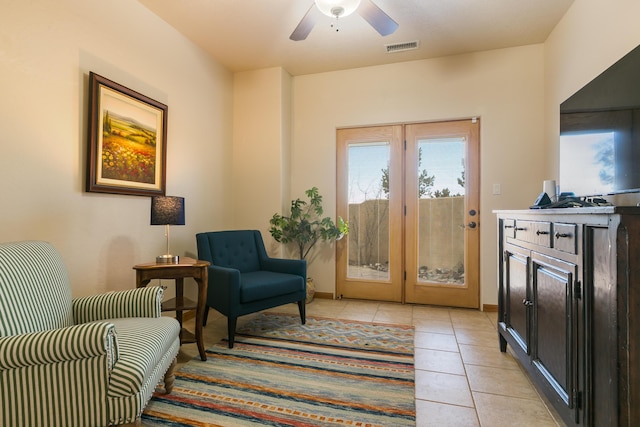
pixel 281 373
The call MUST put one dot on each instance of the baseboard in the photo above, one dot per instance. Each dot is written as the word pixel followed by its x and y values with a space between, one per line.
pixel 324 295
pixel 490 308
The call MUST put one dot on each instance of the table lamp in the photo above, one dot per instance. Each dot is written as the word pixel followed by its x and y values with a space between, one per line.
pixel 167 210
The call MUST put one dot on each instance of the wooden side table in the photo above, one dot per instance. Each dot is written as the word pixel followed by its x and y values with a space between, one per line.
pixel 186 267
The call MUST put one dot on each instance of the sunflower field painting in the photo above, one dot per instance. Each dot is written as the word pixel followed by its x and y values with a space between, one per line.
pixel 127 151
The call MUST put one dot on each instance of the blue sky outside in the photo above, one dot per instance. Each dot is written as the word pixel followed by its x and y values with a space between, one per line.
pixel 366 163
pixel 442 158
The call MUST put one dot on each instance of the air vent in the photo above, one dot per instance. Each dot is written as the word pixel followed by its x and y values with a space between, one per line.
pixel 401 47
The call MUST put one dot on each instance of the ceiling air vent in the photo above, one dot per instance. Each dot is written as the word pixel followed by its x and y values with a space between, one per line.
pixel 401 47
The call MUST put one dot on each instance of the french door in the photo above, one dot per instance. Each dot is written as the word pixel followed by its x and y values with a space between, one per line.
pixel 411 195
pixel 369 259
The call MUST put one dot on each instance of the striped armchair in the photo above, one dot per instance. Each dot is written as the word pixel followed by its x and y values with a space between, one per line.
pixel 92 361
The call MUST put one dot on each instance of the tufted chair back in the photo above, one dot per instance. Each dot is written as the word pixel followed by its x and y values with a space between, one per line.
pixel 239 249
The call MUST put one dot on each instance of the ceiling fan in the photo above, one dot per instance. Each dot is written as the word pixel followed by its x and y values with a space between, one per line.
pixel 379 20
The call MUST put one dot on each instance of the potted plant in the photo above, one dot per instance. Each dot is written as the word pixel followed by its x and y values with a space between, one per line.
pixel 305 227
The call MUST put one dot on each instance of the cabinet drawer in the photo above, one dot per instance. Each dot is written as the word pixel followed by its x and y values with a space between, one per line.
pixel 536 232
pixel 564 237
pixel 509 228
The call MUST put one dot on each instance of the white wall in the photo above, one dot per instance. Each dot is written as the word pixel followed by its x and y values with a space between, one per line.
pixel 47 49
pixel 261 149
pixel 504 88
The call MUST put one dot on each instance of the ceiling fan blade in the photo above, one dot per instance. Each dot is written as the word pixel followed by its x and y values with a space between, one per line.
pixel 377 18
pixel 306 25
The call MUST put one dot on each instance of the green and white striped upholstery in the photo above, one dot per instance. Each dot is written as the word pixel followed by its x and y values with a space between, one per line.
pixel 92 361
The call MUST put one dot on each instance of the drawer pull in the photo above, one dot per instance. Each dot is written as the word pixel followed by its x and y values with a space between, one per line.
pixel 521 228
pixel 539 232
pixel 560 235
pixel 509 226
pixel 527 302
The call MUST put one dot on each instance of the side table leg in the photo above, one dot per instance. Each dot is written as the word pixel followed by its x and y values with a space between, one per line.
pixel 179 303
pixel 202 296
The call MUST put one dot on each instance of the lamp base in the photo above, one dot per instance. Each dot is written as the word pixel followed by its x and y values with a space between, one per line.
pixel 167 259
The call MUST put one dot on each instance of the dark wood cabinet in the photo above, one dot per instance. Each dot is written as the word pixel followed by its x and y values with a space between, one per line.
pixel 517 290
pixel 569 307
pixel 554 324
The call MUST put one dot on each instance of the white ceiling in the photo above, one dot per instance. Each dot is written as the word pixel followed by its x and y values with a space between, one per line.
pixel 252 34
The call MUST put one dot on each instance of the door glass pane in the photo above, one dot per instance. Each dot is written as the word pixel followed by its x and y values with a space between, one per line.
pixel 441 210
pixel 368 190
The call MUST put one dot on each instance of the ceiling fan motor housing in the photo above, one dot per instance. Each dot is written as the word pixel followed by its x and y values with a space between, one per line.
pixel 337 11
pixel 337 8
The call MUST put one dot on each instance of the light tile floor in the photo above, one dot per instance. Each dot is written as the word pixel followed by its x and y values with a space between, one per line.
pixel 462 378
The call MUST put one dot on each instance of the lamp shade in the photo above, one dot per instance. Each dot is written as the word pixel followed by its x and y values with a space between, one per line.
pixel 167 210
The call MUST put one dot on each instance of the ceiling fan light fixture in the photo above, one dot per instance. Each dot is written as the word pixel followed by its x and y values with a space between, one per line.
pixel 337 8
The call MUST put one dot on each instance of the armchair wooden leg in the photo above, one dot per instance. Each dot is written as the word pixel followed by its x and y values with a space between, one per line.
pixel 170 377
pixel 231 329
pixel 205 316
pixel 302 307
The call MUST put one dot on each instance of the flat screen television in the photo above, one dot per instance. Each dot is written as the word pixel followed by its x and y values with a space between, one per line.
pixel 600 133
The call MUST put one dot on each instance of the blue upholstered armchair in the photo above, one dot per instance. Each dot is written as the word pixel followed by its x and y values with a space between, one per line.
pixel 243 279
pixel 92 361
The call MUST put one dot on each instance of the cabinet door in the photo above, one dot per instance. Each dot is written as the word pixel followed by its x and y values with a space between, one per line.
pixel 554 328
pixel 517 294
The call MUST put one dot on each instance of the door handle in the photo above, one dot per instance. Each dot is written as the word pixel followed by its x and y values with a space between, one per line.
pixel 472 224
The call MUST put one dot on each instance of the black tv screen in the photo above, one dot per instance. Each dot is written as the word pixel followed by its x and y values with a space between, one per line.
pixel 600 133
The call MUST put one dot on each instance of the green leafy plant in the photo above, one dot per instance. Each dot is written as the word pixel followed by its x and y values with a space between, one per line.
pixel 305 225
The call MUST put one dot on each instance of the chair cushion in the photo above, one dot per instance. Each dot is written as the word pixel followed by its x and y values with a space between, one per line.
pixel 142 343
pixel 260 285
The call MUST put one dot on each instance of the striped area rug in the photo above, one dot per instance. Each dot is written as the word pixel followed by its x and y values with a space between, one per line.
pixel 281 373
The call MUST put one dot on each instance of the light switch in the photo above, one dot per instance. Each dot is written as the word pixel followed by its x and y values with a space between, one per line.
pixel 496 189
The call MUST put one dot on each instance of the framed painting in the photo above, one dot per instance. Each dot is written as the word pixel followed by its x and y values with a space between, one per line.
pixel 127 140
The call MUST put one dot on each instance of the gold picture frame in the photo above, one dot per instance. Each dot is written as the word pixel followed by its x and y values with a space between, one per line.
pixel 127 140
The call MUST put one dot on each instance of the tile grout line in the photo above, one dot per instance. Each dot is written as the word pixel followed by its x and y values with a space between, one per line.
pixel 466 373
